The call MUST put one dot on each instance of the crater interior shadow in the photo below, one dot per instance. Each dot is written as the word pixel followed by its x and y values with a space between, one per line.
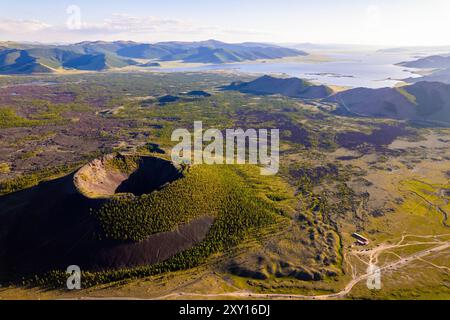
pixel 152 174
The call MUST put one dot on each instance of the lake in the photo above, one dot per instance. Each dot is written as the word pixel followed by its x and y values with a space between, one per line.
pixel 365 69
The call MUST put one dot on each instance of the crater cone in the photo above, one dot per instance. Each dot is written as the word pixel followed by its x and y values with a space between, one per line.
pixel 116 174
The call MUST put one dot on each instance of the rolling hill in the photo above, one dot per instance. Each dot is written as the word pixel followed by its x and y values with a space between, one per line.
pixel 47 60
pixel 441 64
pixel 15 61
pixel 210 51
pixel 436 76
pixel 100 55
pixel 431 62
pixel 422 101
pixel 291 87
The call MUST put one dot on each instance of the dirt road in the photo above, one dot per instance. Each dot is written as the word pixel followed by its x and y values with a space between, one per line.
pixel 373 257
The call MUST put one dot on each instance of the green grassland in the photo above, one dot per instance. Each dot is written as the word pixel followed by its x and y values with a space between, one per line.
pixel 290 233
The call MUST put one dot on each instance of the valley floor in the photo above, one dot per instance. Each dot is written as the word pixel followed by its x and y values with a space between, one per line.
pixel 387 180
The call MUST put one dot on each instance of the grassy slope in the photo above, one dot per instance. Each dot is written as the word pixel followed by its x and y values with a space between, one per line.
pixel 237 196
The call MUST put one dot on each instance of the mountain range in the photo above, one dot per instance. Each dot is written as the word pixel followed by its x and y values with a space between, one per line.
pixel 436 76
pixel 16 58
pixel 430 62
pixel 290 87
pixel 440 64
pixel 422 101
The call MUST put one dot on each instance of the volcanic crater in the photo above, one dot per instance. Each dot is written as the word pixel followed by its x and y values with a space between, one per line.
pixel 118 174
pixel 52 223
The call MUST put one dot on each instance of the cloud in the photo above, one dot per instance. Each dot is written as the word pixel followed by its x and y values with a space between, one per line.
pixel 22 26
pixel 119 27
pixel 126 24
pixel 120 23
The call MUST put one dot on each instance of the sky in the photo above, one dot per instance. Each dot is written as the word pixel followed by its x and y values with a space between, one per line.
pixel 367 22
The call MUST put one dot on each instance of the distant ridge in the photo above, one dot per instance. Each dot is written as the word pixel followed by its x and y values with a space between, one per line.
pixel 431 62
pixel 422 101
pixel 16 58
pixel 440 64
pixel 290 87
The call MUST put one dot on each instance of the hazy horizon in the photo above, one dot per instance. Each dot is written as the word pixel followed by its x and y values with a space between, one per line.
pixel 379 23
pixel 318 45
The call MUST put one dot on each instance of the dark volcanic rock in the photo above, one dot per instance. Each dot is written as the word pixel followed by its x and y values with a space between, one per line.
pixel 168 99
pixel 242 271
pixel 383 136
pixel 198 93
pixel 315 175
